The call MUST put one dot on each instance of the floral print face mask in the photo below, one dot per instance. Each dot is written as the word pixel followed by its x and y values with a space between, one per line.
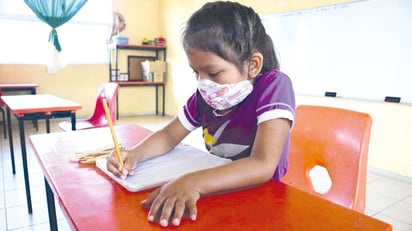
pixel 223 96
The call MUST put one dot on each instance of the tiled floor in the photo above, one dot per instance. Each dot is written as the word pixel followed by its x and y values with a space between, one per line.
pixel 389 197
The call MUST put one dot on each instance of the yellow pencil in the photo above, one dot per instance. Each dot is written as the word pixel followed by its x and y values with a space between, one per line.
pixel 109 120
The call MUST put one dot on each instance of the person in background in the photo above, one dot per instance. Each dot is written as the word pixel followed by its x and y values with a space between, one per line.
pixel 243 102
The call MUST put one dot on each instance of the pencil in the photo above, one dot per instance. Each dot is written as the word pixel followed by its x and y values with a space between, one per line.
pixel 109 120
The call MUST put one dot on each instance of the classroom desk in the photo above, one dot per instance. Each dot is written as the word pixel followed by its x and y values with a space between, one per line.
pixel 13 87
pixel 20 87
pixel 144 84
pixel 34 107
pixel 91 200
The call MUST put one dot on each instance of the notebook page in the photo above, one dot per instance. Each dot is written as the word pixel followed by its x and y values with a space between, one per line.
pixel 159 170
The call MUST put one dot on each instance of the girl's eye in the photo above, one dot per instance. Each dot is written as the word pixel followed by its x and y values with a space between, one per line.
pixel 214 74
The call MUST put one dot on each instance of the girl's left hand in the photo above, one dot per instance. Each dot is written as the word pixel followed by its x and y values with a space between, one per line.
pixel 170 202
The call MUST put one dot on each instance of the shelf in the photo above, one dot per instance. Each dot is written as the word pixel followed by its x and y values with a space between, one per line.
pixel 133 70
pixel 133 67
pixel 137 47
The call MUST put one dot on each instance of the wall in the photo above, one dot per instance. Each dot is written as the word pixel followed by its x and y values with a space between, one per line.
pixel 76 82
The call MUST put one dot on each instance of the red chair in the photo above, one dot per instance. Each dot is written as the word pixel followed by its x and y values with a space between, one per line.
pixel 3 114
pixel 337 140
pixel 98 118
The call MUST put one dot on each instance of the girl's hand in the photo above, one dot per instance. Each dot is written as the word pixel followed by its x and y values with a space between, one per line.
pixel 170 202
pixel 114 166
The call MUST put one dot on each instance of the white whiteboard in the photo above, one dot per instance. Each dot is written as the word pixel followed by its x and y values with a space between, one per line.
pixel 361 50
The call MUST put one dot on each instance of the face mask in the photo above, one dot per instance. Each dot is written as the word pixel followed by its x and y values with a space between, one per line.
pixel 223 96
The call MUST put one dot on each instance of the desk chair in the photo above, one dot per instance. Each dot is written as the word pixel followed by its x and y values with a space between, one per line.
pixel 337 140
pixel 98 118
pixel 3 116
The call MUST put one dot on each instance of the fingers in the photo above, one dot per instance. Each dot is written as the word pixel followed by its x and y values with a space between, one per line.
pixel 156 203
pixel 178 212
pixel 166 211
pixel 169 209
pixel 148 201
pixel 114 166
pixel 191 205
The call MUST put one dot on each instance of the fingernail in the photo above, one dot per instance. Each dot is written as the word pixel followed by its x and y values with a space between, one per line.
pixel 150 217
pixel 193 217
pixel 163 222
pixel 176 221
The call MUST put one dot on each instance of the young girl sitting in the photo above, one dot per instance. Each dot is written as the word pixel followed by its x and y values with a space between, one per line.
pixel 243 103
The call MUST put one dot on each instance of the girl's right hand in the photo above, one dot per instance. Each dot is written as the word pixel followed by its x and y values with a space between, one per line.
pixel 114 166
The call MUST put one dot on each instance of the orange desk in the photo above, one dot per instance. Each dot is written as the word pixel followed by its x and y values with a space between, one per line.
pixel 33 107
pixel 92 201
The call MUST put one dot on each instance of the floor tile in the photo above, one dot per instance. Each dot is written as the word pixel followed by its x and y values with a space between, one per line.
pixel 396 224
pixel 17 217
pixel 2 219
pixel 378 202
pixel 408 200
pixel 2 201
pixel 372 176
pixel 391 188
pixel 401 211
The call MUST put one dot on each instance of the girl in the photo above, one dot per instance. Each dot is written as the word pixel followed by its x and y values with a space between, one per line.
pixel 243 103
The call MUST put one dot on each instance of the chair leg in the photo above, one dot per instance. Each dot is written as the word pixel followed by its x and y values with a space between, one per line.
pixel 35 124
pixel 3 122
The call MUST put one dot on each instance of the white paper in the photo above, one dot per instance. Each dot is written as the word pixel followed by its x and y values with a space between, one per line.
pixel 159 170
pixel 146 70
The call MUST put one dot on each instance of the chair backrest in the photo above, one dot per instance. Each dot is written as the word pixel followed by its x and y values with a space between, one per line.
pixel 1 100
pixel 109 90
pixel 337 140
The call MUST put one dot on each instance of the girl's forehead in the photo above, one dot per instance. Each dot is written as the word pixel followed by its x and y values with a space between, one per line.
pixel 203 58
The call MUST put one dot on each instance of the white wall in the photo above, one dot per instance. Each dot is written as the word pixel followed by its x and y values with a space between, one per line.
pixel 361 50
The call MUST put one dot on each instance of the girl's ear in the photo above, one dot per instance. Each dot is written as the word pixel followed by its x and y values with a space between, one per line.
pixel 255 64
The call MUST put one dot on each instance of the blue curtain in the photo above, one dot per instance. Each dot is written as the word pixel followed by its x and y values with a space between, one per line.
pixel 55 13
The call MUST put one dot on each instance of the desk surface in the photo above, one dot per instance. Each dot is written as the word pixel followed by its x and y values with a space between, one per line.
pixel 18 85
pixel 21 104
pixel 92 201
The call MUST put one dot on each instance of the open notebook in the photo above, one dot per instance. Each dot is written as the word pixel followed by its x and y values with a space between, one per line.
pixel 159 170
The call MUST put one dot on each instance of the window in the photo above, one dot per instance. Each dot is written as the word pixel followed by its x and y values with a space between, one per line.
pixel 83 39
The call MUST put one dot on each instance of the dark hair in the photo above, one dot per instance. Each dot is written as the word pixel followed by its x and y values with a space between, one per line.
pixel 231 31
